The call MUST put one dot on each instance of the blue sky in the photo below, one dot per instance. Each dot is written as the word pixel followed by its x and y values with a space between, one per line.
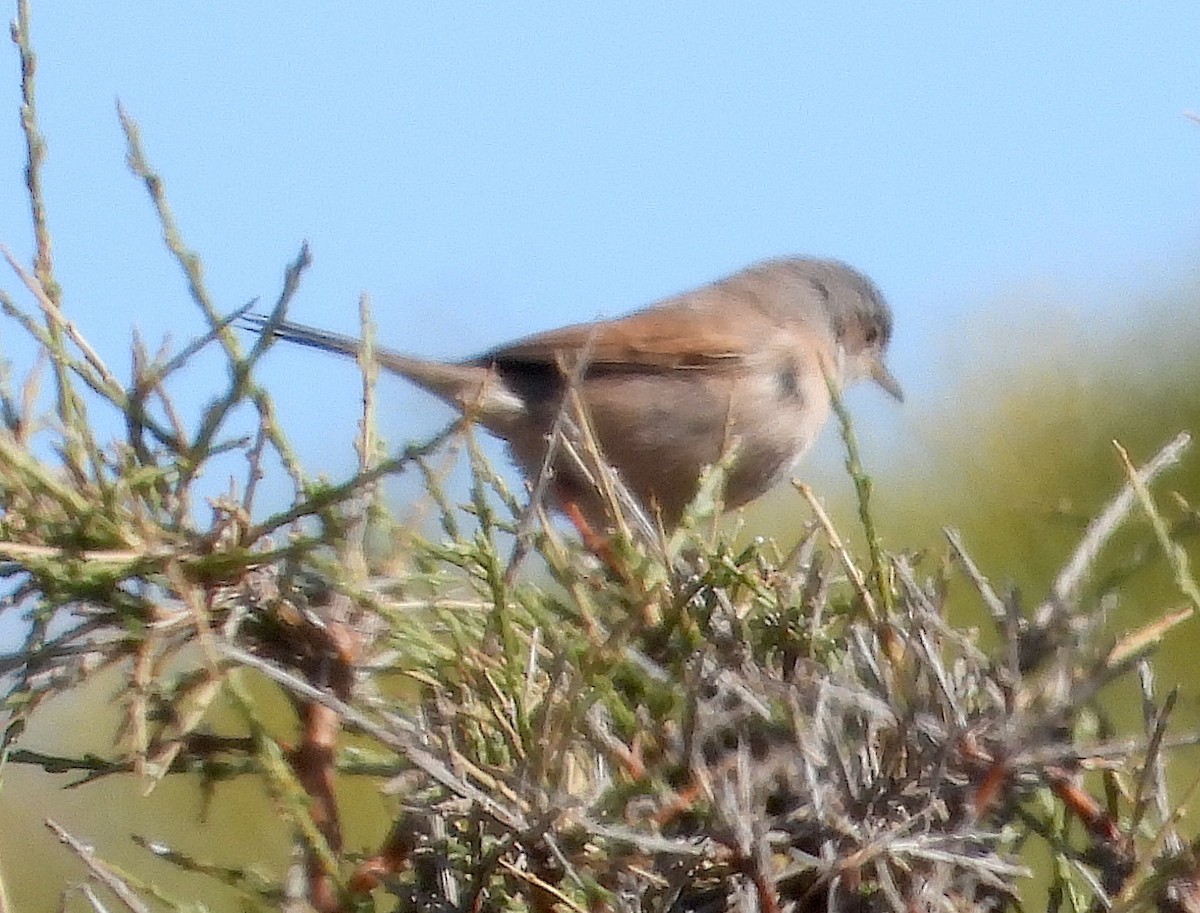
pixel 488 170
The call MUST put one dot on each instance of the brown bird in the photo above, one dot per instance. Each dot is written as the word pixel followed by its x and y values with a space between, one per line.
pixel 740 363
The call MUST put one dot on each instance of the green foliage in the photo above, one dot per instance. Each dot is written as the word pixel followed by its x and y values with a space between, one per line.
pixel 681 724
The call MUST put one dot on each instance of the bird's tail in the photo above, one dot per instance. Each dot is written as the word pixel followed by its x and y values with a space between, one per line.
pixel 460 385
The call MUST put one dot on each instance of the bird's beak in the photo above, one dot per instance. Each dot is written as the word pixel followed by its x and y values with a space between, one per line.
pixel 882 376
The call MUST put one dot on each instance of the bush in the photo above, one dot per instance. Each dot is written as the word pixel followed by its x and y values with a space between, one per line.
pixel 685 725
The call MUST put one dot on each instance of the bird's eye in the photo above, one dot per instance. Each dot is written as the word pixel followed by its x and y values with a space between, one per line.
pixel 871 336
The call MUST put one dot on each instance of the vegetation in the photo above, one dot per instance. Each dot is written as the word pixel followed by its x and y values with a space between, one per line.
pixel 689 724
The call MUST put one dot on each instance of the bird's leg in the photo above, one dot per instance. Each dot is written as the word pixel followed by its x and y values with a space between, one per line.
pixel 599 544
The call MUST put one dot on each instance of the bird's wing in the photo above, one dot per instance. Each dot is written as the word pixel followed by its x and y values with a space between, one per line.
pixel 657 339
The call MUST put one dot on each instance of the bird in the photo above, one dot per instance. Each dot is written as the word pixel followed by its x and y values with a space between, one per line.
pixel 740 368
